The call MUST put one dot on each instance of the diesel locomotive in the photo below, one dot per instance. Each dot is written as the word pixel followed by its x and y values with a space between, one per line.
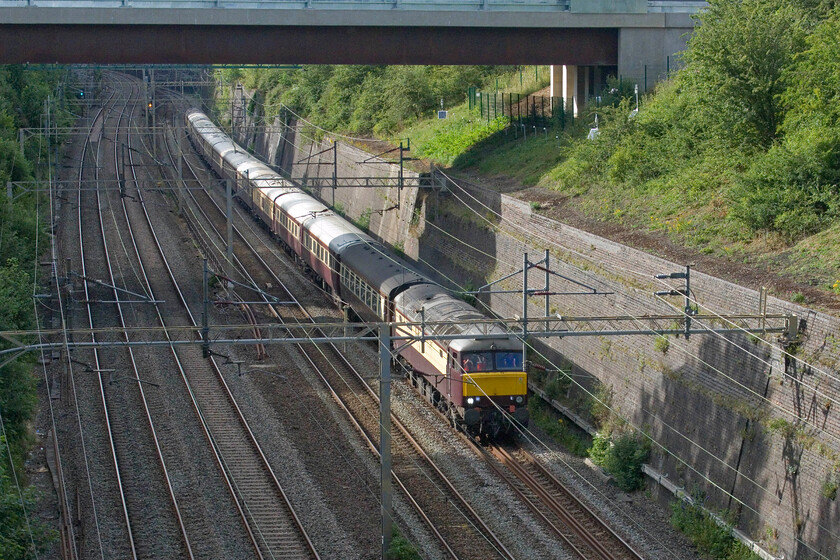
pixel 481 384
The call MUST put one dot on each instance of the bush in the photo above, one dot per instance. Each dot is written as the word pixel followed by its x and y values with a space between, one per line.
pixel 401 549
pixel 600 448
pixel 624 461
pixel 793 188
pixel 567 435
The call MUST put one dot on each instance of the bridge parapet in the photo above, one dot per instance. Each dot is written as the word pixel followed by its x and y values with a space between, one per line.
pixel 572 6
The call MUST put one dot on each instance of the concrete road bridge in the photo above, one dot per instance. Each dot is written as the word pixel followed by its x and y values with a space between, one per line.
pixel 584 39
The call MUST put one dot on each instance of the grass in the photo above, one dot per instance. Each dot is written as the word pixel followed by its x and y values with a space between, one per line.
pixel 443 141
pixel 570 437
pixel 711 540
pixel 525 81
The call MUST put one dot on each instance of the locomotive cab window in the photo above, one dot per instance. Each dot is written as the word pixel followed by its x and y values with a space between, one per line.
pixel 508 361
pixel 477 361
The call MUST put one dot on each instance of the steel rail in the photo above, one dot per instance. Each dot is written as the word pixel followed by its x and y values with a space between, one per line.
pixel 251 516
pixel 97 361
pixel 190 390
pixel 577 517
pixel 76 405
pixel 488 533
pixel 141 389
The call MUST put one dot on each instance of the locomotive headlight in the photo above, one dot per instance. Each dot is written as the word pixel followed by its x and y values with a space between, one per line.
pixel 470 400
pixel 519 399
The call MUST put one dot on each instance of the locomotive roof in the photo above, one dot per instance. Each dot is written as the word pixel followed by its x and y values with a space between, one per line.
pixel 381 270
pixel 440 305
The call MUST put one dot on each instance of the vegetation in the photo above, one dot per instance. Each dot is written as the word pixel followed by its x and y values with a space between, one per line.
pixel 22 96
pixel 711 539
pixel 372 99
pixel 622 456
pixel 737 154
pixel 401 549
pixel 569 436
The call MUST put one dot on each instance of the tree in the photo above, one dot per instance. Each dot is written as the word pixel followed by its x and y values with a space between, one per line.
pixel 813 93
pixel 738 55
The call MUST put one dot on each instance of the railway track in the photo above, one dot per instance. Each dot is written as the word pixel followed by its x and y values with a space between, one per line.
pixel 271 522
pixel 100 503
pixel 152 501
pixel 145 508
pixel 574 523
pixel 460 530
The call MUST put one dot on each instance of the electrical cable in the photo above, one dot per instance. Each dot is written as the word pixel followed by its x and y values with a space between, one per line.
pixel 711 481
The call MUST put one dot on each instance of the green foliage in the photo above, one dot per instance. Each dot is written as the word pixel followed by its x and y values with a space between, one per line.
pixel 455 136
pixel 624 461
pixel 813 93
pixel 793 188
pixel 22 96
pixel 364 220
pixel 662 344
pixel 710 538
pixel 17 536
pixel 553 424
pixel 401 549
pixel 739 53
pixel 601 407
pixel 738 152
pixel 17 385
pixel 600 448
pixel 829 488
pixel 557 384
pixel 363 99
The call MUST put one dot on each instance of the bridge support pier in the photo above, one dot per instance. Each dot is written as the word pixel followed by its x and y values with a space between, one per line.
pixel 577 84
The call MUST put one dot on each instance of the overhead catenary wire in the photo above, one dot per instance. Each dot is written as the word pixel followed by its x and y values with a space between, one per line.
pixel 247 277
pixel 782 351
pixel 641 274
pixel 645 275
pixel 776 405
pixel 638 273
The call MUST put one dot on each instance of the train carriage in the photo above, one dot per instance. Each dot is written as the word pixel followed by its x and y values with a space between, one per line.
pixel 373 278
pixel 481 384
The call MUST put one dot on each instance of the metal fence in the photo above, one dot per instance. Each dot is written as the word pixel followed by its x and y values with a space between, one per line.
pixel 529 110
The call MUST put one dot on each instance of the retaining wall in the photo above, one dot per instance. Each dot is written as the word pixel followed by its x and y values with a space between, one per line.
pixel 722 410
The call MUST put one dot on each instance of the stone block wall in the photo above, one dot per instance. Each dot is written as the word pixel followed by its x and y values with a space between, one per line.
pixel 756 430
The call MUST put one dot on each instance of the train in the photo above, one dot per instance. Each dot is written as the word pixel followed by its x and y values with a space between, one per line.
pixel 480 384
